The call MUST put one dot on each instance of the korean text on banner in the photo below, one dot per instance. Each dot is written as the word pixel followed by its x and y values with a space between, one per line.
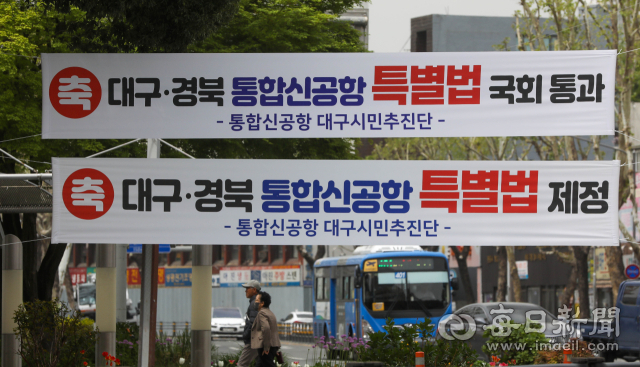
pixel 328 95
pixel 300 202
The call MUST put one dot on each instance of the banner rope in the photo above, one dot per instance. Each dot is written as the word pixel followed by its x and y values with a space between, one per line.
pixel 13 243
pixel 24 137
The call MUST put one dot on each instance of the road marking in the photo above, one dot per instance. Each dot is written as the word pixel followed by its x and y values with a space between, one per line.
pixel 234 348
pixel 285 347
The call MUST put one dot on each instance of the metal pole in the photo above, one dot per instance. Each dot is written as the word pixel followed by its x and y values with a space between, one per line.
pixel 201 299
pixel 149 291
pixel 508 294
pixel 121 282
pixel 11 285
pixel 105 301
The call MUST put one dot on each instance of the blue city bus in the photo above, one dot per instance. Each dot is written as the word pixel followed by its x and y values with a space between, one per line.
pixel 354 295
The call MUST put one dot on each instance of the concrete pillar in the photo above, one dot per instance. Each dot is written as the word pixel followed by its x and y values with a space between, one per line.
pixel 11 298
pixel 105 300
pixel 201 305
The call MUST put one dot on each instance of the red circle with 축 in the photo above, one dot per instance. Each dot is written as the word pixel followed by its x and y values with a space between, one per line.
pixel 87 194
pixel 75 92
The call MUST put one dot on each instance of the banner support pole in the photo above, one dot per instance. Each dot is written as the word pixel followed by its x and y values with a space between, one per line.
pixel 149 291
pixel 201 300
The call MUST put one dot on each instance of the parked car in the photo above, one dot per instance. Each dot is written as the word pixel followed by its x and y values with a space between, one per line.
pixel 86 299
pixel 617 338
pixel 483 314
pixel 298 317
pixel 227 321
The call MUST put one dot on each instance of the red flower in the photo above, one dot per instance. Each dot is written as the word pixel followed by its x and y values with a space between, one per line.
pixel 117 361
pixel 105 354
pixel 82 351
pixel 85 363
pixel 112 358
pixel 231 361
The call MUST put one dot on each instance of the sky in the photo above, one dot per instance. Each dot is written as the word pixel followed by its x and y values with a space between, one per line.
pixel 390 20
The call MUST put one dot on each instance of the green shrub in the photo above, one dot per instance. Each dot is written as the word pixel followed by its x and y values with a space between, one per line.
pixel 53 335
pixel 396 346
pixel 527 341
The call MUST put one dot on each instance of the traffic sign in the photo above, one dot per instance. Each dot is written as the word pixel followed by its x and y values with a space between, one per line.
pixel 137 249
pixel 632 271
pixel 134 249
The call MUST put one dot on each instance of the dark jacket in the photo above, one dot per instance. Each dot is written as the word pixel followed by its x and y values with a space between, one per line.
pixel 249 318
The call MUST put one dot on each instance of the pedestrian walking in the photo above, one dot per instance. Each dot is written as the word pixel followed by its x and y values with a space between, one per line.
pixel 251 289
pixel 264 332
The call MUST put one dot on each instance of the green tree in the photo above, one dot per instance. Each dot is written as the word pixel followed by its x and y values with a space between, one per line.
pixel 28 29
pixel 284 26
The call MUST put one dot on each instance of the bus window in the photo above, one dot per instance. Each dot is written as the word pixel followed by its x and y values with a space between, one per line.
pixel 353 288
pixel 346 289
pixel 327 288
pixel 320 288
pixel 408 291
pixel 339 295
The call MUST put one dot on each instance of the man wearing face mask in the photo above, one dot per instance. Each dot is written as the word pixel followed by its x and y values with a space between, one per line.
pixel 251 289
pixel 264 332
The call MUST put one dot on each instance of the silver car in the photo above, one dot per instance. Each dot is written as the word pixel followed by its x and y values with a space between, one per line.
pixel 483 314
pixel 227 321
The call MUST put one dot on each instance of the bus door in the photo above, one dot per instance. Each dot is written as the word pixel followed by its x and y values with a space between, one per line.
pixel 322 308
pixel 345 301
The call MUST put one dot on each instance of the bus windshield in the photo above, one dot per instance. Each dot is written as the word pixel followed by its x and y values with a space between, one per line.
pixel 412 293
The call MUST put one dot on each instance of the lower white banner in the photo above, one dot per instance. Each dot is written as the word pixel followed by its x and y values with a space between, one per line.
pixel 311 202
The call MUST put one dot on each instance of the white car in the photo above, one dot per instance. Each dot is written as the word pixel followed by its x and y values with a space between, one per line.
pixel 296 316
pixel 227 321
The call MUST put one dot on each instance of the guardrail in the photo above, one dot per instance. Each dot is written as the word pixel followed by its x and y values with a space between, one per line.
pixel 296 332
pixel 171 328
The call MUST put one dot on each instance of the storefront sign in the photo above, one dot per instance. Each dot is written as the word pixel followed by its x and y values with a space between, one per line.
pixel 105 96
pixel 78 275
pixel 177 277
pixel 300 202
pixel 268 276
pixel 134 277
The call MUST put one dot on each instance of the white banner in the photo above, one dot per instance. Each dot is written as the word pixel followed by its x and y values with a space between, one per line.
pixel 300 202
pixel 328 95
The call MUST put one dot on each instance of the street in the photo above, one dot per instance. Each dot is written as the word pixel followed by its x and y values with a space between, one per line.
pixel 292 351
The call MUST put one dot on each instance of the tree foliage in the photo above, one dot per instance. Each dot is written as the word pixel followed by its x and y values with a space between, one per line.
pixel 28 29
pixel 284 26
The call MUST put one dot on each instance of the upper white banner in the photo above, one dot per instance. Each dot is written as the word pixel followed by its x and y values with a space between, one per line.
pixel 299 202
pixel 328 95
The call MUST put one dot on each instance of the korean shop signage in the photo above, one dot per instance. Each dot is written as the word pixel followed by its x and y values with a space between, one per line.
pixel 328 95
pixel 268 276
pixel 294 202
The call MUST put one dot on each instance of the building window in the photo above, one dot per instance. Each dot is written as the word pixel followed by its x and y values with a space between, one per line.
pixel 550 42
pixel 263 254
pixel 276 253
pixel 291 252
pixel 80 256
pixel 421 41
pixel 162 259
pixel 246 255
pixel 234 253
pixel 217 254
